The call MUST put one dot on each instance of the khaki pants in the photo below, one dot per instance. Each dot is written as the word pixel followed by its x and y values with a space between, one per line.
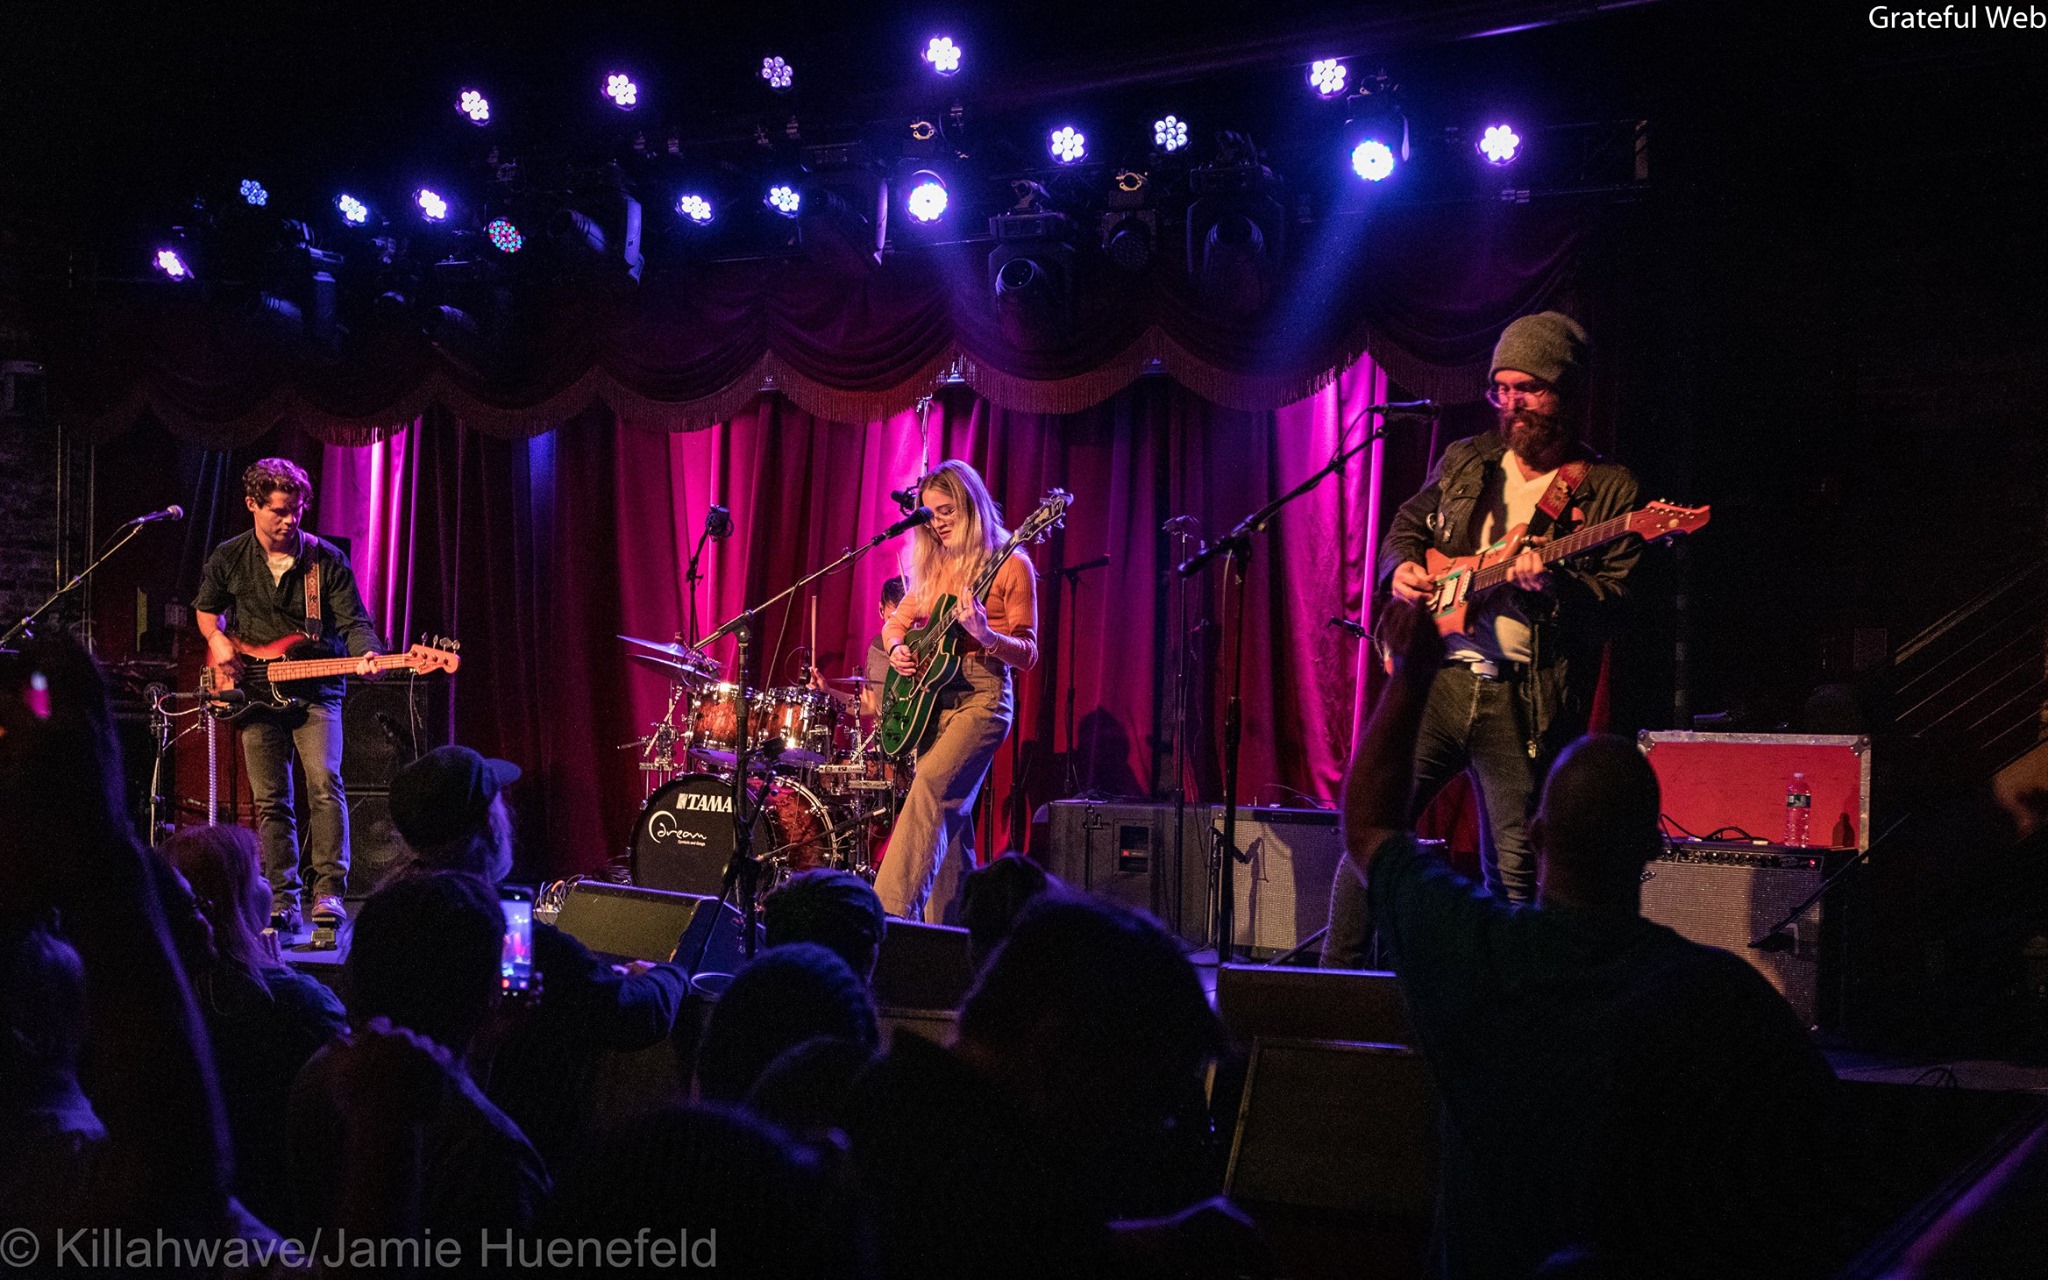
pixel 932 848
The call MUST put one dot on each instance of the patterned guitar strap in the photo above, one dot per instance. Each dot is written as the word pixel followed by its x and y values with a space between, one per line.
pixel 312 626
pixel 1552 508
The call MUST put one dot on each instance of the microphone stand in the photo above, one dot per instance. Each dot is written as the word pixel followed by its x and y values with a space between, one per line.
pixel 744 871
pixel 1070 576
pixel 22 628
pixel 1234 548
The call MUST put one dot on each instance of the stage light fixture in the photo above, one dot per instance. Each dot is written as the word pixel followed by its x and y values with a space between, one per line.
pixel 172 264
pixel 927 199
pixel 784 199
pixel 253 192
pixel 778 73
pixel 505 237
pixel 1067 144
pixel 619 87
pixel 1500 144
pixel 1327 75
pixel 694 207
pixel 353 211
pixel 432 207
pixel 943 55
pixel 1128 239
pixel 1372 160
pixel 1170 134
pixel 474 106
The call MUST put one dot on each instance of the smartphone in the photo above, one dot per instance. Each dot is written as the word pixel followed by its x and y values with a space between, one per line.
pixel 515 963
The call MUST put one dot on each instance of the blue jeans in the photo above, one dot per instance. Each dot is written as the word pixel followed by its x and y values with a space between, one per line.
pixel 1472 726
pixel 268 741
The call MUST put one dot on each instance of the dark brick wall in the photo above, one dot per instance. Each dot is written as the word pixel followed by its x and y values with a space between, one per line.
pixel 28 515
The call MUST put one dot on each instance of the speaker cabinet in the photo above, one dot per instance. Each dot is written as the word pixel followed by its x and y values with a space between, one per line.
pixel 628 923
pixel 922 966
pixel 1727 895
pixel 1127 853
pixel 1266 1002
pixel 376 852
pixel 387 724
pixel 1281 884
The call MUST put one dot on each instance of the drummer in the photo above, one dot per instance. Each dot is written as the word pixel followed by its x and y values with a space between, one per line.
pixel 877 669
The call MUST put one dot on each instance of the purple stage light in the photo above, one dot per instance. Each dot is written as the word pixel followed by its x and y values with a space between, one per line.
pixel 619 87
pixel 168 262
pixel 353 210
pixel 1170 134
pixel 1372 160
pixel 779 74
pixel 784 200
pixel 475 106
pixel 253 192
pixel 505 237
pixel 943 54
pixel 1499 144
pixel 432 207
pixel 694 207
pixel 927 200
pixel 1067 144
pixel 1327 75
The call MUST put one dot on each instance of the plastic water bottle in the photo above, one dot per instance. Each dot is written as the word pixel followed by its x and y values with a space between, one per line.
pixel 1798 812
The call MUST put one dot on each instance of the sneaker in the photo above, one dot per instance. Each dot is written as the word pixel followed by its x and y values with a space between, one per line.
pixel 329 909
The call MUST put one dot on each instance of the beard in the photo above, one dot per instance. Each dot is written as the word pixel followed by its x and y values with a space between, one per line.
pixel 1540 439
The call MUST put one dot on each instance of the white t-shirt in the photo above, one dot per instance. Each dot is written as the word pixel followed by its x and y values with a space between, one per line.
pixel 1496 630
pixel 280 565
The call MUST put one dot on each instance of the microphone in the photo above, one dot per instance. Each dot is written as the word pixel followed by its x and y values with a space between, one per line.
pixel 718 523
pixel 905 498
pixel 923 515
pixel 1350 628
pixel 1402 406
pixel 172 512
pixel 1182 524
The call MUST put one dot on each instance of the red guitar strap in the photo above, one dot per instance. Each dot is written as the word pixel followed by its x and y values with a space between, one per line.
pixel 1557 499
pixel 312 627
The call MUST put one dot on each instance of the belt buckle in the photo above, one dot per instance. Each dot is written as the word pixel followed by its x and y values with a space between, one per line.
pixel 1484 669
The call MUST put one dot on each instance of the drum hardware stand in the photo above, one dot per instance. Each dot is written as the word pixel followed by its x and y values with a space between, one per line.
pixel 1234 548
pixel 1070 577
pixel 1188 530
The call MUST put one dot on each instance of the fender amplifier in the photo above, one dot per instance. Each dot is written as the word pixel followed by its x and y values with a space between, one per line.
pixel 1727 894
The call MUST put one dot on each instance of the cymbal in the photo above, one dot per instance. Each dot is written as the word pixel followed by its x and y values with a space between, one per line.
pixel 680 652
pixel 673 670
pixel 854 681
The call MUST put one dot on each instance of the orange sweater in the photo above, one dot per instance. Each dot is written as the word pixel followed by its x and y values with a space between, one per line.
pixel 1012 614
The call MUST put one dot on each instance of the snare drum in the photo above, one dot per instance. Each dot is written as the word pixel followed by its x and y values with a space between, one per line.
pixel 805 720
pixel 864 775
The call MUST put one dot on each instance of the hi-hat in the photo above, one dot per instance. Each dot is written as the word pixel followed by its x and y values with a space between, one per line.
pixel 695 659
pixel 854 681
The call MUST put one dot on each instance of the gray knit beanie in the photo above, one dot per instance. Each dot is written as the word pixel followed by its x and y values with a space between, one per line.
pixel 1548 345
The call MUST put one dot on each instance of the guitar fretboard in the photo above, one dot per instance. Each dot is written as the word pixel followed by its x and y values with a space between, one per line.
pixel 1570 544
pixel 321 668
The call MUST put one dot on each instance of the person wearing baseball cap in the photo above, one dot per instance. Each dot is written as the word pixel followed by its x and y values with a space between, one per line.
pixel 1517 683
pixel 450 805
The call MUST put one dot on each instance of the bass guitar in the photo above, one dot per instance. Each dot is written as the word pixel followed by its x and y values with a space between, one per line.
pixel 909 701
pixel 269 671
pixel 1459 579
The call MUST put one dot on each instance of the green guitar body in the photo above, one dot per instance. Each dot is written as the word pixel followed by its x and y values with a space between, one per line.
pixel 909 702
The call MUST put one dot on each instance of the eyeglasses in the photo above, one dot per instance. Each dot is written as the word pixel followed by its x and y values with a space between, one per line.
pixel 1502 395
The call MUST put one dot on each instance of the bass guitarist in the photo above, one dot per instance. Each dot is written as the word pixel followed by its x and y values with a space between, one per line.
pixel 1517 682
pixel 275 581
pixel 933 843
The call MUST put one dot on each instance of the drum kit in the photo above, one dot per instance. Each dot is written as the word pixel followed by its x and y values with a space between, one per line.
pixel 826 797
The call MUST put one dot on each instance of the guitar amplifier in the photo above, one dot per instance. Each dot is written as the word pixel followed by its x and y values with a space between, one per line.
pixel 1727 894
pixel 1286 861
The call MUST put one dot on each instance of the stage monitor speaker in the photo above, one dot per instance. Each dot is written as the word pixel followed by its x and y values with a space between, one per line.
pixel 387 724
pixel 1261 1002
pixel 1286 860
pixel 922 966
pixel 1126 853
pixel 629 923
pixel 1338 1125
pixel 376 852
pixel 1726 895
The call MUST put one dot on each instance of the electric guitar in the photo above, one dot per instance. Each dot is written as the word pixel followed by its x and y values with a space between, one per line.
pixel 269 670
pixel 909 701
pixel 1458 579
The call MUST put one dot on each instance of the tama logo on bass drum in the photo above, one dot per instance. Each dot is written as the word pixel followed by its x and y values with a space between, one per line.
pixel 690 802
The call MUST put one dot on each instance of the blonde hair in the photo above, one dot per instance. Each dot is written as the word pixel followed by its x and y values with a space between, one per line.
pixel 929 570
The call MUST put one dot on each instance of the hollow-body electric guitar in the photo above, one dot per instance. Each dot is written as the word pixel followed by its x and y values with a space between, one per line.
pixel 269 671
pixel 1458 579
pixel 908 701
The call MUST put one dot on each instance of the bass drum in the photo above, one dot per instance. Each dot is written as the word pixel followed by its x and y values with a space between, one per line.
pixel 683 838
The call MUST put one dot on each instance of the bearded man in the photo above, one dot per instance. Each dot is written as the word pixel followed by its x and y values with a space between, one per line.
pixel 1517 683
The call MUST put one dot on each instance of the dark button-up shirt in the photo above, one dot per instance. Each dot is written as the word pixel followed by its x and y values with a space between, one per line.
pixel 236 582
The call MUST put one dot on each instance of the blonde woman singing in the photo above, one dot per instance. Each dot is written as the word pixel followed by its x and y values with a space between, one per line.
pixel 932 847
